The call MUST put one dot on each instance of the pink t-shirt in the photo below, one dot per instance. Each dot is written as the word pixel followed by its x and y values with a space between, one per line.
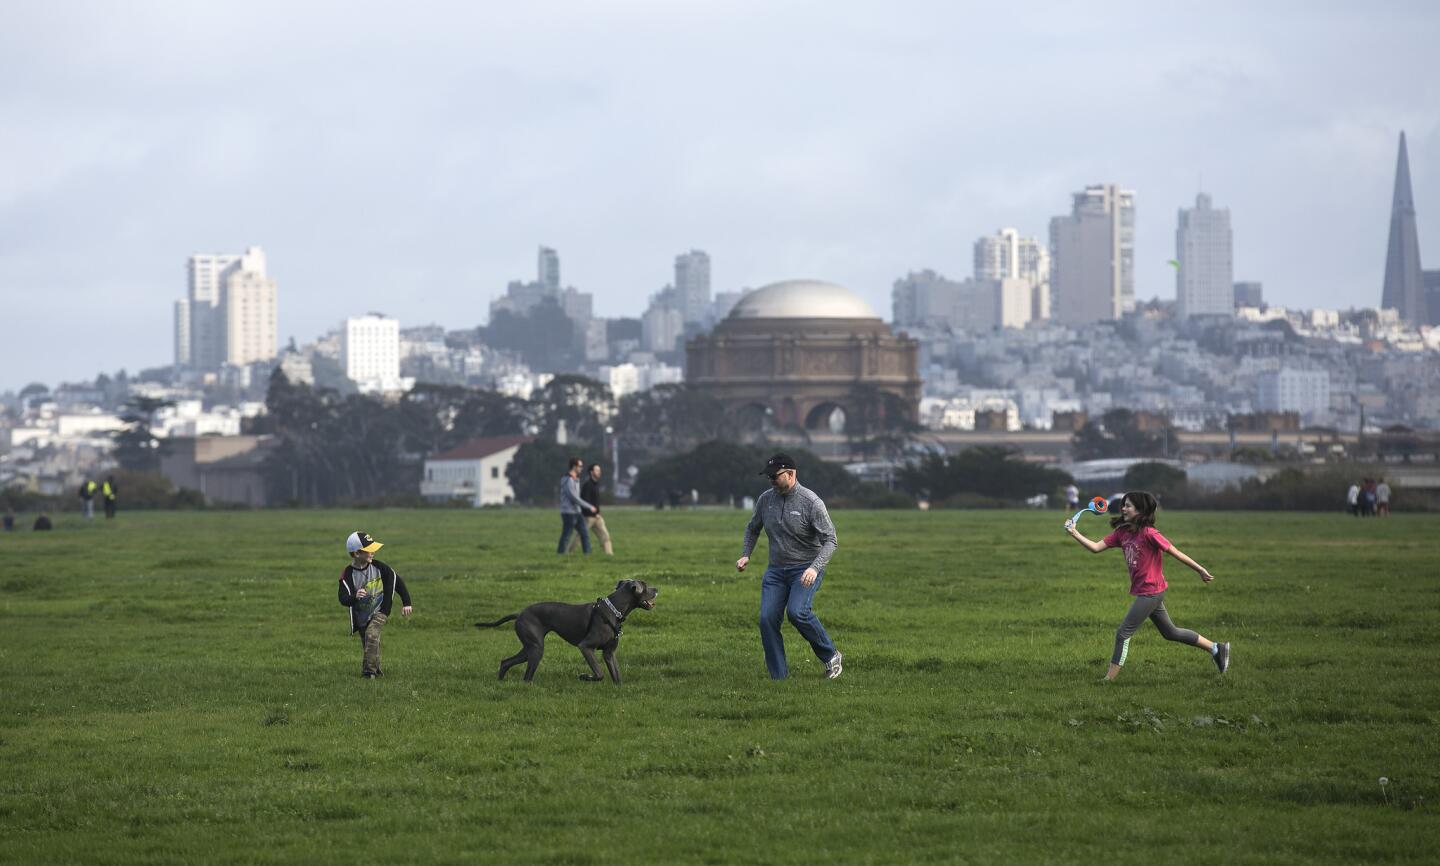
pixel 1143 550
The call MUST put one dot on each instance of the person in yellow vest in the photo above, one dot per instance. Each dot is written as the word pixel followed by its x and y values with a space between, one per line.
pixel 87 497
pixel 110 492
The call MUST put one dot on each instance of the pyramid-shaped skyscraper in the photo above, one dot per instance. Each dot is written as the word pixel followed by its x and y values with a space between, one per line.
pixel 1404 281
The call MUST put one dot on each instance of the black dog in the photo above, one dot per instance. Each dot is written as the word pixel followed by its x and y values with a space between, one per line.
pixel 587 626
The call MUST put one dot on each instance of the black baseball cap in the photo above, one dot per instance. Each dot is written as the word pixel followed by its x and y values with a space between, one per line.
pixel 778 462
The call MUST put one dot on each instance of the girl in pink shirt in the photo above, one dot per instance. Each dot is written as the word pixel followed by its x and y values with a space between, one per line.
pixel 1134 532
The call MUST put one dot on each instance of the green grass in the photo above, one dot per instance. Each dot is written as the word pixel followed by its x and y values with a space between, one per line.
pixel 181 688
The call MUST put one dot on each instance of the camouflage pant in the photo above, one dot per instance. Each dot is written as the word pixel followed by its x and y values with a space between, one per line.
pixel 370 641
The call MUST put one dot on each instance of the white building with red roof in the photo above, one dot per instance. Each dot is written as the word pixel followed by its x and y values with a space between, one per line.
pixel 473 471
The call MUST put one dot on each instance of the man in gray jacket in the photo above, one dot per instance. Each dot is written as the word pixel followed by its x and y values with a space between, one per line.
pixel 572 508
pixel 802 538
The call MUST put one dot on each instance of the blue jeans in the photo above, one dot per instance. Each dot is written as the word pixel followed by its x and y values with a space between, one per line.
pixel 782 595
pixel 577 523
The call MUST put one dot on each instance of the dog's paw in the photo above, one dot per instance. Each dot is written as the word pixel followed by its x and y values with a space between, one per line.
pixel 591 678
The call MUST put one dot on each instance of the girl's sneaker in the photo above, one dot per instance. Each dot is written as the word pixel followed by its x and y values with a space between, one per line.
pixel 1222 657
pixel 832 667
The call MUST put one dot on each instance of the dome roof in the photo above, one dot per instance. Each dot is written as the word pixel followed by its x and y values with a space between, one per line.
pixel 802 299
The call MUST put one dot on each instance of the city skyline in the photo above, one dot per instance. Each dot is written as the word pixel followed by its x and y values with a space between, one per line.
pixel 353 158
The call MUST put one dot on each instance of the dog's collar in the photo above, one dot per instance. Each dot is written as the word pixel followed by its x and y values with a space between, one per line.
pixel 619 617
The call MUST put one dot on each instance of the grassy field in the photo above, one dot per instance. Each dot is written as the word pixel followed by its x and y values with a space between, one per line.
pixel 181 688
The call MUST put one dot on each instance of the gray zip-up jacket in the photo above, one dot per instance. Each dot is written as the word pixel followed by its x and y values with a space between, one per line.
pixel 797 525
pixel 570 501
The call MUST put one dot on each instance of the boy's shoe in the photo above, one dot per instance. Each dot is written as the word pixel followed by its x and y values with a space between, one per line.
pixel 833 667
pixel 369 676
pixel 1222 657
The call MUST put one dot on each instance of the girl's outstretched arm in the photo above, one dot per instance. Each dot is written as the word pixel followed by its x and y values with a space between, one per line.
pixel 1199 569
pixel 1092 546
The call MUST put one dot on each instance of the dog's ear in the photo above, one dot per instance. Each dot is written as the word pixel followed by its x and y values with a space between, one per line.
pixel 618 584
pixel 638 587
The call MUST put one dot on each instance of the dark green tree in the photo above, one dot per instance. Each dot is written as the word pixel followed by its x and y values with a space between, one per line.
pixel 993 471
pixel 1165 481
pixel 669 419
pixel 726 471
pixel 544 337
pixel 580 402
pixel 136 447
pixel 534 472
pixel 1118 435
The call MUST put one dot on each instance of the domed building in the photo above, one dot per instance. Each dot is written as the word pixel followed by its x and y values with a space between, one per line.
pixel 807 354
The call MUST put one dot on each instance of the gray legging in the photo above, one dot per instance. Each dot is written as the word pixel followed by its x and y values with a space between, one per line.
pixel 1151 607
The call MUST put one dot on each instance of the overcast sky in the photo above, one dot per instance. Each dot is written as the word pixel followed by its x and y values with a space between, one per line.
pixel 409 158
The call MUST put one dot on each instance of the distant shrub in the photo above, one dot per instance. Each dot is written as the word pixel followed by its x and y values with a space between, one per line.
pixel 1161 479
pixel 871 495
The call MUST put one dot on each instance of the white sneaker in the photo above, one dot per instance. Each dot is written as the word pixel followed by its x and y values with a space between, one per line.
pixel 833 667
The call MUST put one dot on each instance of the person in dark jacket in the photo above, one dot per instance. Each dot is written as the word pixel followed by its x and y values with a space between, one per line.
pixel 87 497
pixel 111 492
pixel 367 587
pixel 42 523
pixel 590 492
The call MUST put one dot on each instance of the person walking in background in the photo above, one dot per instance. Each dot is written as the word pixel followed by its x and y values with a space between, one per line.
pixel 110 492
pixel 594 522
pixel 802 540
pixel 87 497
pixel 1382 499
pixel 1072 497
pixel 573 508
pixel 367 587
pixel 1134 531
pixel 1352 500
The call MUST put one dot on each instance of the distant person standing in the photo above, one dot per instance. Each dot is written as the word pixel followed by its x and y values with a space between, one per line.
pixel 9 520
pixel 573 508
pixel 595 522
pixel 368 587
pixel 1352 500
pixel 1382 499
pixel 1072 496
pixel 87 497
pixel 42 523
pixel 802 540
pixel 110 492
pixel 1367 498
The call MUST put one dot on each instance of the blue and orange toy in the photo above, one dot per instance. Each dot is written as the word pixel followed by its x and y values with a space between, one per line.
pixel 1098 505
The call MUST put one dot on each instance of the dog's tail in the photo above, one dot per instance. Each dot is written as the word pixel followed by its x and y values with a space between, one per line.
pixel 502 620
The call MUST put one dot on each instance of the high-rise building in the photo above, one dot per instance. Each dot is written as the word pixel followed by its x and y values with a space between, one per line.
pixel 548 269
pixel 1306 392
pixel 926 299
pixel 183 352
pixel 370 349
pixel 662 328
pixel 1205 281
pixel 249 300
pixel 692 282
pixel 1250 293
pixel 724 302
pixel 1092 256
pixel 206 326
pixel 1404 288
pixel 1007 255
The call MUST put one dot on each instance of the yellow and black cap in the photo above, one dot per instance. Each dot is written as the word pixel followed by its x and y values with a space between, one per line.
pixel 362 541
